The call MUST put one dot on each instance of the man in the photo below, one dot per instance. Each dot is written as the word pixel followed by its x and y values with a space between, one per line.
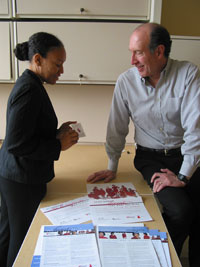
pixel 162 97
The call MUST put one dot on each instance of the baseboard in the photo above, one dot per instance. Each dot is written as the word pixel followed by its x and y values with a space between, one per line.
pixel 100 143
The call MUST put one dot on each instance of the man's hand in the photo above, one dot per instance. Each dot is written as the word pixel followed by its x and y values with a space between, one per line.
pixel 105 175
pixel 165 178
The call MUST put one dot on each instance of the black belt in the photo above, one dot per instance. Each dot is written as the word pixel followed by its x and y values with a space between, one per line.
pixel 166 152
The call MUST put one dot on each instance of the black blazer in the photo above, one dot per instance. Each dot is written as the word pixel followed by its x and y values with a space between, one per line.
pixel 30 146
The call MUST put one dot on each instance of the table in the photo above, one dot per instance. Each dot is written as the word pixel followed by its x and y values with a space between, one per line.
pixel 72 170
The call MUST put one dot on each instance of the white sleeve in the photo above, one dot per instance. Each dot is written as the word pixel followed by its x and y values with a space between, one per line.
pixel 190 119
pixel 118 126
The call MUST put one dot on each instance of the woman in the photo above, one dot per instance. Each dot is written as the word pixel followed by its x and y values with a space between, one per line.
pixel 32 141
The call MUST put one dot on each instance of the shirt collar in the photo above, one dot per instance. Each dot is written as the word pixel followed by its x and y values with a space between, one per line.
pixel 167 67
pixel 163 72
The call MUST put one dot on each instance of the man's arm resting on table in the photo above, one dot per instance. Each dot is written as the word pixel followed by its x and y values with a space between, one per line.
pixel 106 175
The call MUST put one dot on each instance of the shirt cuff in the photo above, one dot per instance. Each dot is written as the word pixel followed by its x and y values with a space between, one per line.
pixel 187 169
pixel 113 165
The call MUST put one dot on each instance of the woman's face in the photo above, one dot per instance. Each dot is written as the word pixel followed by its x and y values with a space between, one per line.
pixel 51 67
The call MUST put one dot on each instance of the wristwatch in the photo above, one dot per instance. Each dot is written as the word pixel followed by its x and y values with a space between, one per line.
pixel 183 178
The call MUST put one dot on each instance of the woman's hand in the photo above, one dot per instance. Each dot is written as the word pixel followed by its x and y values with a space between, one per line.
pixel 64 128
pixel 67 136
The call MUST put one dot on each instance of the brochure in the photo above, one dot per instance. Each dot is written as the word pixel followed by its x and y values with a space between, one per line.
pixel 71 212
pixel 116 203
pixel 67 245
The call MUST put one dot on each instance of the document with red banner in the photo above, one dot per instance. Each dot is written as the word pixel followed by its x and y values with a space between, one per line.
pixel 116 203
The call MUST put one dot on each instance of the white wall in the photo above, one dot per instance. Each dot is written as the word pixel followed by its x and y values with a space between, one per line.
pixel 88 104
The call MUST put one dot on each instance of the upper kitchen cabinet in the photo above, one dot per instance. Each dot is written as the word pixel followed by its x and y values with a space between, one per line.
pixel 5 6
pixel 97 52
pixel 95 33
pixel 6 63
pixel 186 48
pixel 85 9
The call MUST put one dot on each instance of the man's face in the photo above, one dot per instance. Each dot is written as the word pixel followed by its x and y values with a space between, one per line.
pixel 142 58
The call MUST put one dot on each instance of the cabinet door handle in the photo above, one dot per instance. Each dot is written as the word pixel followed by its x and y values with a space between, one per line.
pixel 82 10
pixel 80 78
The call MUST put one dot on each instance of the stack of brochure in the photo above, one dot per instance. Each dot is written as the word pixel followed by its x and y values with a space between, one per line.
pixel 132 246
pixel 115 238
pixel 110 246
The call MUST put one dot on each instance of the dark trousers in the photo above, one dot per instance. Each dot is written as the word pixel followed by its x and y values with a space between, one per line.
pixel 19 203
pixel 181 209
